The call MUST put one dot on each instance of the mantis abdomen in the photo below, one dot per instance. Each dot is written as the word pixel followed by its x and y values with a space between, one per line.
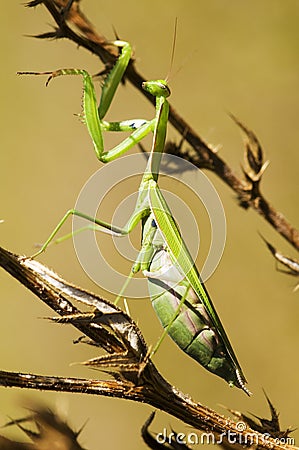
pixel 183 315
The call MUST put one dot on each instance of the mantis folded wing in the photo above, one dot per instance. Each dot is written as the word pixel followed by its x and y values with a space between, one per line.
pixel 182 302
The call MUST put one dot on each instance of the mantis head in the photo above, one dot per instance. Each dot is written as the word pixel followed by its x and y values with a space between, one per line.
pixel 158 88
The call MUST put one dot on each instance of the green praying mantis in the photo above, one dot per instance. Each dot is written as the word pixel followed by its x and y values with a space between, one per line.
pixel 177 292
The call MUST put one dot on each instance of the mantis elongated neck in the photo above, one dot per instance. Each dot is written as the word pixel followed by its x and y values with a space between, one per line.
pixel 153 165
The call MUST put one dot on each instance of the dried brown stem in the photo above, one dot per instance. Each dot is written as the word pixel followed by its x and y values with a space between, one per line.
pixel 137 378
pixel 201 154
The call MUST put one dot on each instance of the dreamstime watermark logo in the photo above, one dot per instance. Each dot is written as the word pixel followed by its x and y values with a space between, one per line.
pixel 240 437
pixel 128 170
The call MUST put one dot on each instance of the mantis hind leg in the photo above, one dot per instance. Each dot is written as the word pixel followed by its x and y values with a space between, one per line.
pixel 97 226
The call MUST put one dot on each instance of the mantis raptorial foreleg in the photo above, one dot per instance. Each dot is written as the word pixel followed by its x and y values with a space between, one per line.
pixel 94 115
pixel 177 292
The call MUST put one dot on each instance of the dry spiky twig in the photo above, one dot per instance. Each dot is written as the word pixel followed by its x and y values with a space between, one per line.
pixel 135 376
pixel 172 441
pixel 50 430
pixel 291 263
pixel 270 426
pixel 72 24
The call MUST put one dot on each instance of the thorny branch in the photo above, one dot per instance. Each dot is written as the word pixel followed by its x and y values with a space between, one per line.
pixel 72 24
pixel 44 429
pixel 135 376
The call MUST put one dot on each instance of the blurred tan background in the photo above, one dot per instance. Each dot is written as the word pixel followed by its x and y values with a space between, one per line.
pixel 233 56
